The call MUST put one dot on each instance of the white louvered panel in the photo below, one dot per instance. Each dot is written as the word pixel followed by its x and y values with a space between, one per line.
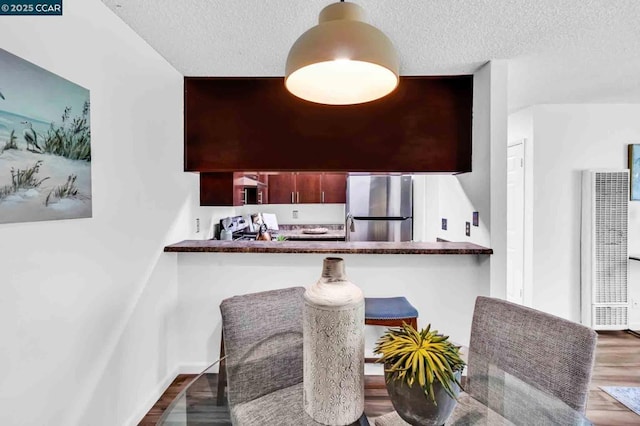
pixel 611 317
pixel 605 203
pixel 612 192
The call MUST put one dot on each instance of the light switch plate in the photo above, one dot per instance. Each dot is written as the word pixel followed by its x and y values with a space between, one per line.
pixel 444 224
pixel 476 219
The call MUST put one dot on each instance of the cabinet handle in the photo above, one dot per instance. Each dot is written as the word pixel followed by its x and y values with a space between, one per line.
pixel 298 195
pixel 293 201
pixel 323 197
pixel 260 197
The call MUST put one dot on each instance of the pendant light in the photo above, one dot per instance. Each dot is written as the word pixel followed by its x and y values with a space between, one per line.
pixel 342 60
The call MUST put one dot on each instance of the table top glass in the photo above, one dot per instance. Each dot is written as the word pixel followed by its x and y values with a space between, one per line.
pixel 498 398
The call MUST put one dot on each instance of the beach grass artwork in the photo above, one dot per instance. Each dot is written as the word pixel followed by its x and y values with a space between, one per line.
pixel 45 144
pixel 634 168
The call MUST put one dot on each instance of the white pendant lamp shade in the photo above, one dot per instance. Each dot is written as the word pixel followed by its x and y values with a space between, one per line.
pixel 342 60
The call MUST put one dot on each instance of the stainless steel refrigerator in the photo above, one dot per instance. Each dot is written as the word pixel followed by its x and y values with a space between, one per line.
pixel 379 208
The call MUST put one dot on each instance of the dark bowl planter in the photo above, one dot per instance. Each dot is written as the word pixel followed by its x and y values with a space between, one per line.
pixel 416 408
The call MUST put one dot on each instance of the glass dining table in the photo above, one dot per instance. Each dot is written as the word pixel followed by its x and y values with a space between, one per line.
pixel 494 397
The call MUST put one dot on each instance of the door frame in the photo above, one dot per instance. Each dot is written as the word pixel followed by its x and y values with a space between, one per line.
pixel 527 238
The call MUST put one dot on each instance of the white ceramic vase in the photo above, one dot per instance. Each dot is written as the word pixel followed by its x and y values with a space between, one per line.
pixel 334 347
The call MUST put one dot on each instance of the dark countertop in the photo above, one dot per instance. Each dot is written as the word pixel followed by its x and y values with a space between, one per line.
pixel 338 247
pixel 297 234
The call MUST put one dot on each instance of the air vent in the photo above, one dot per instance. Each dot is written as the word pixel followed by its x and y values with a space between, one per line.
pixel 605 196
pixel 611 316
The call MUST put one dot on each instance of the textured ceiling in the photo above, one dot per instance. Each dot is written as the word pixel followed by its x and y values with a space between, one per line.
pixel 559 51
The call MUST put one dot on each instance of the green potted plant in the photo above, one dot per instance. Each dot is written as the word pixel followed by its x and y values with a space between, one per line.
pixel 422 373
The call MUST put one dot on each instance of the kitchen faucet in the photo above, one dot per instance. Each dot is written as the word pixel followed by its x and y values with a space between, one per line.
pixel 350 226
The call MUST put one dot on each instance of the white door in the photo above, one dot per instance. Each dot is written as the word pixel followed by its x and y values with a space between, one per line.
pixel 515 223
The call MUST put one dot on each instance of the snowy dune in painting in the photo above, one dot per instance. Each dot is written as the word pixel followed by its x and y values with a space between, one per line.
pixel 45 144
pixel 27 205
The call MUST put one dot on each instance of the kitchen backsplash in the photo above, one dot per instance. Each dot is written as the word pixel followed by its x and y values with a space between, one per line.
pixel 306 214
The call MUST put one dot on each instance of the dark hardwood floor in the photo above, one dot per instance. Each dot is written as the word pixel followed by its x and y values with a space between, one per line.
pixel 617 364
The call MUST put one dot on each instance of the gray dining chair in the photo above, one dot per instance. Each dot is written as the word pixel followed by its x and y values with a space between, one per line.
pixel 548 352
pixel 263 345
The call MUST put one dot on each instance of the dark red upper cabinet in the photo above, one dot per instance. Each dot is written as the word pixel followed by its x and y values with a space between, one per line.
pixel 234 124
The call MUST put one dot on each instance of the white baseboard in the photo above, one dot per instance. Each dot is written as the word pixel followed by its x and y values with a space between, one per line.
pixel 155 395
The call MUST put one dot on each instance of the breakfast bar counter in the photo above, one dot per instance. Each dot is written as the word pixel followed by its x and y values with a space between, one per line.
pixel 327 247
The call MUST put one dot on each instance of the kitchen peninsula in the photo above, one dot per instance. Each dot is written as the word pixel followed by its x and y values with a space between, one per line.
pixel 442 280
pixel 328 247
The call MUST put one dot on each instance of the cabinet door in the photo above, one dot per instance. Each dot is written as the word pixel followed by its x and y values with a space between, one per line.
pixel 334 188
pixel 308 188
pixel 428 118
pixel 221 189
pixel 282 188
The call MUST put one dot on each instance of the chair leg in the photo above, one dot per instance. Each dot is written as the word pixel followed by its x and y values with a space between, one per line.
pixel 222 374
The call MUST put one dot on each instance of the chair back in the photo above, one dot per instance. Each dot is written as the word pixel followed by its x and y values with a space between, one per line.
pixel 543 350
pixel 263 342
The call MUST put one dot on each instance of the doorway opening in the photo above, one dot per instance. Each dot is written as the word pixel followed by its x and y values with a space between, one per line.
pixel 516 222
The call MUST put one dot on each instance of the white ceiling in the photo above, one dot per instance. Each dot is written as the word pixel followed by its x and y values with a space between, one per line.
pixel 559 51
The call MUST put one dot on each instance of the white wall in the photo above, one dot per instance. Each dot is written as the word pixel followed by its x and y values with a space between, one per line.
pixel 486 185
pixel 87 307
pixel 442 288
pixel 569 139
pixel 454 205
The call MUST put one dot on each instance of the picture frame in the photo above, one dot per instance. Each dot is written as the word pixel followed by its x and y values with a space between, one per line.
pixel 45 144
pixel 634 168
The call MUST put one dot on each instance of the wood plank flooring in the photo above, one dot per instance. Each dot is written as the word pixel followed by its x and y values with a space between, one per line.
pixel 617 364
pixel 178 384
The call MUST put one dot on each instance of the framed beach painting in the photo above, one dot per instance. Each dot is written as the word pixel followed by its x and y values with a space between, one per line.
pixel 45 144
pixel 634 168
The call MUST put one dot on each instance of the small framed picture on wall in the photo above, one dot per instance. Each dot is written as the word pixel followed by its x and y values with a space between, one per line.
pixel 634 167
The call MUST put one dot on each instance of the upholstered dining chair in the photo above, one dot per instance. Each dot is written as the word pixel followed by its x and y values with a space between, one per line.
pixel 550 353
pixel 263 345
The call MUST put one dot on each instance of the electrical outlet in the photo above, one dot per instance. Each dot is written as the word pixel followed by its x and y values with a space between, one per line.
pixel 197 225
pixel 294 214
pixel 444 224
pixel 467 229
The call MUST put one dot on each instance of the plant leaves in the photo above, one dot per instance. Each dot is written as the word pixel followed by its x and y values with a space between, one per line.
pixel 420 356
